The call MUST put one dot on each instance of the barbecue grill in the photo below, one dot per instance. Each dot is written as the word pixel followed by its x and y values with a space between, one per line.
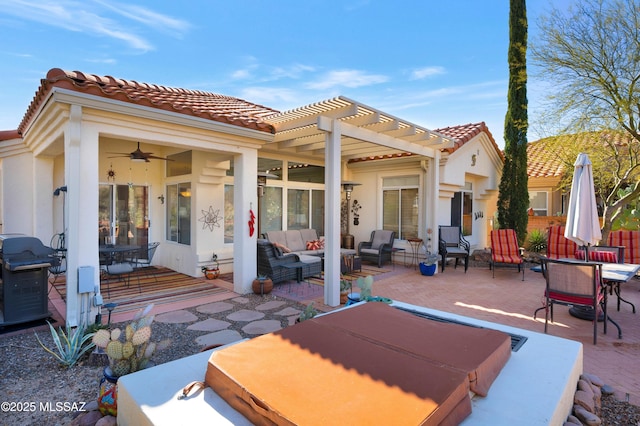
pixel 24 265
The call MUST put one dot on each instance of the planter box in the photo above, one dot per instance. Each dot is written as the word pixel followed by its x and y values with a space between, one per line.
pixel 428 270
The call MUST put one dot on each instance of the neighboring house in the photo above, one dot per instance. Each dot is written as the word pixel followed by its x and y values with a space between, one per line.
pixel 549 162
pixel 205 152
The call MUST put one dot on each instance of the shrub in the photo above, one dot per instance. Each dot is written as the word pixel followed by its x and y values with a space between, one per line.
pixel 537 241
pixel 70 345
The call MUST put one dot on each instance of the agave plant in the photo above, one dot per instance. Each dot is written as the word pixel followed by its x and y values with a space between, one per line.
pixel 70 345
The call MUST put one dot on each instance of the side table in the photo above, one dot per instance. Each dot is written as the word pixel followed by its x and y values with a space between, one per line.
pixel 415 247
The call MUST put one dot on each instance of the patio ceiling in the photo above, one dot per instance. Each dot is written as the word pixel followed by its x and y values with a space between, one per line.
pixel 367 132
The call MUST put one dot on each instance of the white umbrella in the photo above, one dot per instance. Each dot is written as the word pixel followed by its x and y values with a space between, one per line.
pixel 583 223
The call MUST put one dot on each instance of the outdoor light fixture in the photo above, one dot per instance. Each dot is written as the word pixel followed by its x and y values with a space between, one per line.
pixel 57 191
pixel 347 239
pixel 262 181
pixel 161 198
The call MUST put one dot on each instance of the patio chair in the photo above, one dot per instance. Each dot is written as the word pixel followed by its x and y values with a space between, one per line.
pixel 611 254
pixel 559 246
pixel 574 284
pixel 144 258
pixel 270 261
pixel 451 243
pixel 631 242
pixel 505 249
pixel 378 248
pixel 59 267
pixel 121 270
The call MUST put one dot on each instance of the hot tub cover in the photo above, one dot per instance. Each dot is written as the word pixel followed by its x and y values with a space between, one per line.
pixel 371 364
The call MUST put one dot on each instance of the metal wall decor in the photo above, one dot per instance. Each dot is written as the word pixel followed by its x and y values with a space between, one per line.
pixel 210 218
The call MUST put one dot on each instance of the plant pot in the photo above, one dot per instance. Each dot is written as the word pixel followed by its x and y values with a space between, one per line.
pixel 428 270
pixel 344 296
pixel 262 286
pixel 212 273
pixel 108 394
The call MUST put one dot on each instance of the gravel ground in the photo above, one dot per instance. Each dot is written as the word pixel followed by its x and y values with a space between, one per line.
pixel 40 392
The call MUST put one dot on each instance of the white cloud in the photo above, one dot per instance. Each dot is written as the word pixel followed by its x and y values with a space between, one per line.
pixel 425 72
pixel 269 96
pixel 347 78
pixel 90 19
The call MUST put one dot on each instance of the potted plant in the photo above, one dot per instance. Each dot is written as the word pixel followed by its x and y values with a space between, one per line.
pixel 262 285
pixel 429 265
pixel 212 271
pixel 345 288
pixel 128 350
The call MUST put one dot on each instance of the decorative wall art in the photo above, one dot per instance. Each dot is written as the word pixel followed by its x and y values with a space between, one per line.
pixel 210 218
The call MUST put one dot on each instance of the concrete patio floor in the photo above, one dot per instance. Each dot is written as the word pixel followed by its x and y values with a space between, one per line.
pixel 506 299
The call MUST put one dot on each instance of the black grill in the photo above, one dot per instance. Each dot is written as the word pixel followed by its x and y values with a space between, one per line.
pixel 24 266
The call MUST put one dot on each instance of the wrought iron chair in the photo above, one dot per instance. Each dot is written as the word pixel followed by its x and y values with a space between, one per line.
pixel 144 258
pixel 574 284
pixel 505 249
pixel 451 243
pixel 58 245
pixel 378 248
pixel 121 270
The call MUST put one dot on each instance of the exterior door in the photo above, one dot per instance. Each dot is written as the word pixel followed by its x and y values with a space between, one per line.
pixel 124 215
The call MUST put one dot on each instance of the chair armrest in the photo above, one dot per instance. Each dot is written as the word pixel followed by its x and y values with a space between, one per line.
pixel 364 244
pixel 442 246
pixel 385 247
pixel 465 244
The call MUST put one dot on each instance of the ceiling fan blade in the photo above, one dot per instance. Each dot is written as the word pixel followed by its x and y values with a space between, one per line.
pixel 159 158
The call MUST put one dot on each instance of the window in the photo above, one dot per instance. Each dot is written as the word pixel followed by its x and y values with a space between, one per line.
pixel 302 172
pixel 400 206
pixel 271 209
pixel 305 208
pixel 462 209
pixel 538 202
pixel 228 213
pixel 179 213
pixel 179 165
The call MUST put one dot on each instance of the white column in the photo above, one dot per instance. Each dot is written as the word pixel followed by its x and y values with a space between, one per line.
pixel 332 154
pixel 245 199
pixel 81 179
pixel 43 199
pixel 433 175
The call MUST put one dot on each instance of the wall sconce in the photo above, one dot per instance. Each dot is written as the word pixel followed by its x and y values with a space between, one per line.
pixel 57 191
pixel 161 198
pixel 262 181
pixel 186 193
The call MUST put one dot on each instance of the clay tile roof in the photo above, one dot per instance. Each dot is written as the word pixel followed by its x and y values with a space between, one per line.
pixel 465 132
pixel 215 107
pixel 6 135
pixel 550 157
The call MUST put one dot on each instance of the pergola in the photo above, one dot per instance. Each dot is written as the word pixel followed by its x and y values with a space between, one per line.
pixel 340 130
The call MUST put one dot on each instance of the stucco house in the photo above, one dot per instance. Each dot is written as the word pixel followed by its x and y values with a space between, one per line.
pixel 141 162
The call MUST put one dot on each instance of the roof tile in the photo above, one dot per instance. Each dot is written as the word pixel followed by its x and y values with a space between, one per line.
pixel 221 108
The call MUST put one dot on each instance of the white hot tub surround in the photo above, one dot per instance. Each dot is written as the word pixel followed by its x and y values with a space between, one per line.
pixel 536 386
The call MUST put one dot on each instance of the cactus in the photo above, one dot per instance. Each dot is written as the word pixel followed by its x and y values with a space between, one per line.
pixel 132 349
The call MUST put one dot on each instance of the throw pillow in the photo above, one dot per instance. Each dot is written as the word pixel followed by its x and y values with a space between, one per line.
pixel 313 245
pixel 603 256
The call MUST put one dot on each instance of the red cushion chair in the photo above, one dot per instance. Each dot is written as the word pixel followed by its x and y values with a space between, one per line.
pixel 558 246
pixel 505 249
pixel 631 242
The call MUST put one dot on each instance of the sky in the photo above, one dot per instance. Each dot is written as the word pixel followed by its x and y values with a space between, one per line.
pixel 433 63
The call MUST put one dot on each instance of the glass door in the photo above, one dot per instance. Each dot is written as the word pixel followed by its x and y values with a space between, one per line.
pixel 124 215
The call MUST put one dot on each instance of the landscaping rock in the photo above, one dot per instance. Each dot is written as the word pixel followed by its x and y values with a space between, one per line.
pixel 587 418
pixel 107 421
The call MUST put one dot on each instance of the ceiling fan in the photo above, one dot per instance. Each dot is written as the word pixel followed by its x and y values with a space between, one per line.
pixel 139 155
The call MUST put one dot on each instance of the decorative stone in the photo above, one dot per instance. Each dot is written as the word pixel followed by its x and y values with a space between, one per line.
pixel 262 327
pixel 270 305
pixel 607 390
pixel 573 420
pixel 219 338
pixel 214 308
pixel 585 399
pixel 587 418
pixel 593 379
pixel 107 421
pixel 288 311
pixel 210 324
pixel 176 317
pixel 245 315
pixel 91 406
pixel 584 385
pixel 87 419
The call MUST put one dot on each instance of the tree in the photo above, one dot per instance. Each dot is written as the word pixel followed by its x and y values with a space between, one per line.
pixel 591 55
pixel 513 198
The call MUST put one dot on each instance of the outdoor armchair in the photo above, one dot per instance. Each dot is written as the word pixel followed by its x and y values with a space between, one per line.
pixel 378 248
pixel 271 261
pixel 505 249
pixel 559 246
pixel 631 242
pixel 574 284
pixel 451 243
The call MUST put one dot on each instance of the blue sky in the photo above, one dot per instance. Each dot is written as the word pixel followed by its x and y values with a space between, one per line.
pixel 433 63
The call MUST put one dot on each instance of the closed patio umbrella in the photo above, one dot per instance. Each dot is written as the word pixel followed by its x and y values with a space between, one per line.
pixel 583 223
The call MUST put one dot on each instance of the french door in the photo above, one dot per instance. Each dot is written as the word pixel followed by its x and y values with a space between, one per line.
pixel 123 214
